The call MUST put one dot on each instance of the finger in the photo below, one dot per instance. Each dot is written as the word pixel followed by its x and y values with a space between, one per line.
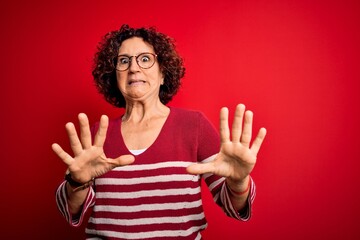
pixel 101 133
pixel 237 124
pixel 85 134
pixel 123 160
pixel 258 141
pixel 201 168
pixel 75 143
pixel 247 131
pixel 65 157
pixel 224 125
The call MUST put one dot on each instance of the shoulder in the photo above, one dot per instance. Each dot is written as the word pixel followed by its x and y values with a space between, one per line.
pixel 186 113
pixel 188 119
pixel 115 121
pixel 113 124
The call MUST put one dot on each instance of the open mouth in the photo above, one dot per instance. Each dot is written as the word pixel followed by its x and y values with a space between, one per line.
pixel 136 82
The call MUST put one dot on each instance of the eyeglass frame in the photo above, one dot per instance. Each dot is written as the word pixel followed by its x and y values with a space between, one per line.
pixel 136 58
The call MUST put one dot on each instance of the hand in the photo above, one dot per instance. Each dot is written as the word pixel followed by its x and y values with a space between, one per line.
pixel 236 158
pixel 89 160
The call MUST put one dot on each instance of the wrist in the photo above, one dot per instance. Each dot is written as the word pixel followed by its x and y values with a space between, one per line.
pixel 239 189
pixel 77 186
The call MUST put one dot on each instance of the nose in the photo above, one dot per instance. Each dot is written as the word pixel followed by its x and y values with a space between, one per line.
pixel 134 66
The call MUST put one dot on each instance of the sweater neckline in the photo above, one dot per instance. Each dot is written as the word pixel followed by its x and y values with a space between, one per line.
pixel 158 138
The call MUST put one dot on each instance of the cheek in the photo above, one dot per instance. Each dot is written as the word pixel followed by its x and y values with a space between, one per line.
pixel 155 79
pixel 121 79
pixel 157 75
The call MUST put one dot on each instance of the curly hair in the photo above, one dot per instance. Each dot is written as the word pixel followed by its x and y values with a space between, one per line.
pixel 104 70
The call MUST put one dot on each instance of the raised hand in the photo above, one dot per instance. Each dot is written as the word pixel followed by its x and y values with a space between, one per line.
pixel 89 159
pixel 237 157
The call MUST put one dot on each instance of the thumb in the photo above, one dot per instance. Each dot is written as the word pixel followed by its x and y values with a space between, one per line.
pixel 123 160
pixel 200 168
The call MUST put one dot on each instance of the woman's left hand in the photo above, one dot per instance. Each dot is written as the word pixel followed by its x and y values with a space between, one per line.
pixel 237 157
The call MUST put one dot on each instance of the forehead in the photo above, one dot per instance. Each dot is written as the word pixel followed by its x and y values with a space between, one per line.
pixel 134 46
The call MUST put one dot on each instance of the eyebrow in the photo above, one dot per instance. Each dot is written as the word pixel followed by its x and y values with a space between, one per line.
pixel 128 55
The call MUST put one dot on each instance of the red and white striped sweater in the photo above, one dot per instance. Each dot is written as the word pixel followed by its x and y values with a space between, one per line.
pixel 155 198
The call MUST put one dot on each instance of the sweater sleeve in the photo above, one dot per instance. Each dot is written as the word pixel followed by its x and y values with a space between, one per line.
pixel 62 204
pixel 208 147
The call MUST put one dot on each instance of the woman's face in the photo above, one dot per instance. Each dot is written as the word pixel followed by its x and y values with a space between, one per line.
pixel 136 83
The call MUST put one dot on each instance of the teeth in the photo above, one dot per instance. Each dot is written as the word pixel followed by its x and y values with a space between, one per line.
pixel 136 82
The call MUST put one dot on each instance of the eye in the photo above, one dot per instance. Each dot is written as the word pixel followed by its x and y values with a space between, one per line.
pixel 145 58
pixel 123 60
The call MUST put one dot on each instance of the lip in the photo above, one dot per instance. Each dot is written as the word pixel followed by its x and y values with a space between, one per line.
pixel 135 82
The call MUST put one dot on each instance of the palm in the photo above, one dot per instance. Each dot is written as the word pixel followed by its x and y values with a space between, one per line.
pixel 89 159
pixel 236 158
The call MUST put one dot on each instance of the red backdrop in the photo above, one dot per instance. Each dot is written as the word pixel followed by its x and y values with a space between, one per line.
pixel 294 63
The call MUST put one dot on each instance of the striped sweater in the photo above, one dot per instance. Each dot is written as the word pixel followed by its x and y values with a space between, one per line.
pixel 155 198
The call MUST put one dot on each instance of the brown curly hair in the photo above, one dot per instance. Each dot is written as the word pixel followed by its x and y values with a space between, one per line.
pixel 104 72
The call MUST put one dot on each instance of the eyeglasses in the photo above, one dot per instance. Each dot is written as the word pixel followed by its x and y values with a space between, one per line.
pixel 143 60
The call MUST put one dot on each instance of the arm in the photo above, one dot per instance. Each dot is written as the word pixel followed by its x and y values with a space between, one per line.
pixel 239 196
pixel 75 199
pixel 73 216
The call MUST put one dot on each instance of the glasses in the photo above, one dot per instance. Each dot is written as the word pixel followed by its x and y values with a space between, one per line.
pixel 143 60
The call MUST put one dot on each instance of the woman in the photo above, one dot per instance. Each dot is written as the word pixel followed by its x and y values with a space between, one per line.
pixel 141 173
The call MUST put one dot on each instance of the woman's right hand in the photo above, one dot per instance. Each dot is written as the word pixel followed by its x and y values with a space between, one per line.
pixel 89 159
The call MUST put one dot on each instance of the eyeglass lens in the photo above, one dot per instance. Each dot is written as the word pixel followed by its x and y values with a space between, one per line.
pixel 144 60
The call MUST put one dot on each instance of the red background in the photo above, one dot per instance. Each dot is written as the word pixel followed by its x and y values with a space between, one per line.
pixel 294 63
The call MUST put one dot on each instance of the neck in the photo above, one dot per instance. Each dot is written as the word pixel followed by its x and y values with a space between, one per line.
pixel 138 112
